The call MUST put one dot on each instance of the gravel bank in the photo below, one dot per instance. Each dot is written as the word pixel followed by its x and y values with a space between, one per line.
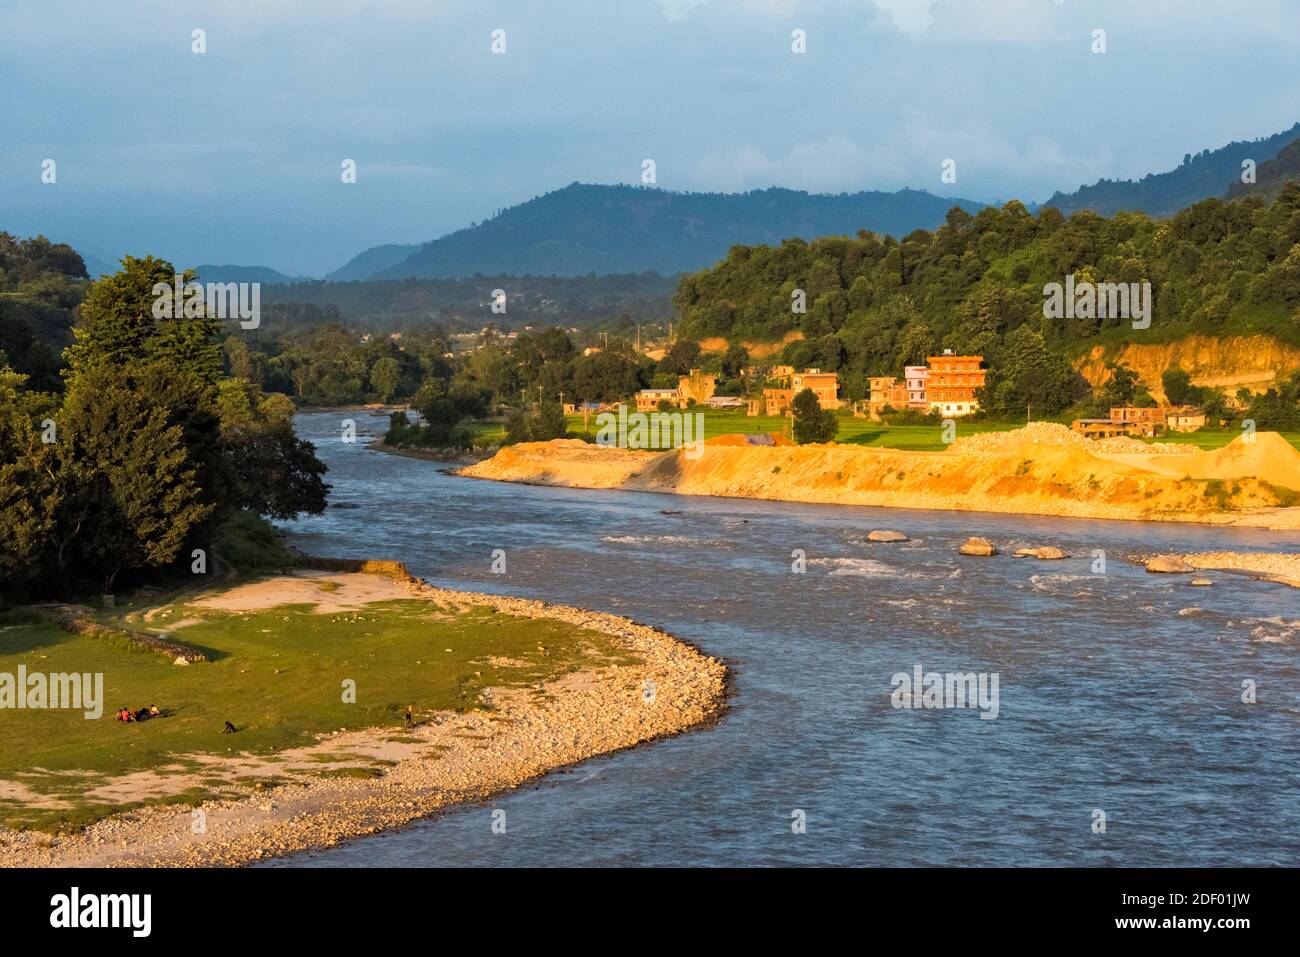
pixel 1280 567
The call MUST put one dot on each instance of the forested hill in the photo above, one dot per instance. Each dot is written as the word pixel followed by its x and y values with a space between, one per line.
pixel 1270 177
pixel 875 304
pixel 373 260
pixel 1200 176
pixel 41 284
pixel 583 229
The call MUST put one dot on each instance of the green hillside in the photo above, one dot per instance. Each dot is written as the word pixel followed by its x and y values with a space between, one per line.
pixel 875 304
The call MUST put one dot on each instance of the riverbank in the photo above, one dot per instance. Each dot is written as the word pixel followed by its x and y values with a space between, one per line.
pixel 533 687
pixel 447 456
pixel 1279 567
pixel 1042 469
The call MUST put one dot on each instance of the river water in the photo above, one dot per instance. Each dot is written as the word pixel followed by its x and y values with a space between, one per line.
pixel 1118 692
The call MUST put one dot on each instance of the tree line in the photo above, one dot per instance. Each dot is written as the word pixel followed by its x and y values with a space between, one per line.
pixel 145 460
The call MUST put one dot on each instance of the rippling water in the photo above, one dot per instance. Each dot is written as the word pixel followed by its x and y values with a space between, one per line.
pixel 1119 692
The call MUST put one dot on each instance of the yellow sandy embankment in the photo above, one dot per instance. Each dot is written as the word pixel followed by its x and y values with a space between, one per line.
pixel 1042 469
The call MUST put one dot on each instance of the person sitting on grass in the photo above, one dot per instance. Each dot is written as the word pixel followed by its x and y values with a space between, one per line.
pixel 123 714
pixel 154 711
pixel 228 729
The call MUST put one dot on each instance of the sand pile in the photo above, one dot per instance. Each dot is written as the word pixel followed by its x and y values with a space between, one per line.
pixel 1269 458
pixel 768 439
pixel 1035 433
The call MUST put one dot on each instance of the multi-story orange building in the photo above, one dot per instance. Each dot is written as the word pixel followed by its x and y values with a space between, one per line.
pixel 826 385
pixel 952 383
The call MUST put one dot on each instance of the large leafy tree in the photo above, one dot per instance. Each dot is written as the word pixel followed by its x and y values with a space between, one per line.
pixel 131 495
pixel 29 495
pixel 274 473
pixel 812 423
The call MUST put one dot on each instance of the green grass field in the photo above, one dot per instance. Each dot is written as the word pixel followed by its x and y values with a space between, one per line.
pixel 918 438
pixel 276 675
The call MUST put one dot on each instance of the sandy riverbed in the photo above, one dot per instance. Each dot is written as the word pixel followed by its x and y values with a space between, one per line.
pixel 449 759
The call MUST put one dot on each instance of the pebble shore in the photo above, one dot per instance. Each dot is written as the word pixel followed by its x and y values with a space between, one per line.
pixel 470 757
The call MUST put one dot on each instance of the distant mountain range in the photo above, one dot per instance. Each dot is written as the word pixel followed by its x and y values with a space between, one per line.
pixel 1205 174
pixel 1271 176
pixel 585 228
pixel 263 274
pixel 374 260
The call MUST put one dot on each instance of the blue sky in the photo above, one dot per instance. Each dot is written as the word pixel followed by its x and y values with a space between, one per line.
pixel 233 156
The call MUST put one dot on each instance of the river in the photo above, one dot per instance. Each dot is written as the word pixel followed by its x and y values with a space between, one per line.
pixel 1119 692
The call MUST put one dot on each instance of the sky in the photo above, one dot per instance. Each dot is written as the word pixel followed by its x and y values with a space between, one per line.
pixel 234 155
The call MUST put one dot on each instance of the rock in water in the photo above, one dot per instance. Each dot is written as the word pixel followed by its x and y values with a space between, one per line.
pixel 1202 581
pixel 1169 564
pixel 884 535
pixel 1045 552
pixel 978 546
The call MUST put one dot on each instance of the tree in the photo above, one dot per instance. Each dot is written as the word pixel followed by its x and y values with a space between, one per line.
pixel 812 423
pixel 1176 384
pixel 28 495
pixel 681 358
pixel 1119 388
pixel 274 473
pixel 385 376
pixel 547 423
pixel 1027 375
pixel 131 495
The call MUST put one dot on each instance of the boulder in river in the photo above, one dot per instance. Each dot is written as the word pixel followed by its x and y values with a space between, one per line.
pixel 978 546
pixel 1202 582
pixel 1044 552
pixel 1169 564
pixel 884 535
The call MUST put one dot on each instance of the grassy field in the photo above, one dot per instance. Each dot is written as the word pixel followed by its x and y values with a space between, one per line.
pixel 276 675
pixel 920 438
pixel 851 431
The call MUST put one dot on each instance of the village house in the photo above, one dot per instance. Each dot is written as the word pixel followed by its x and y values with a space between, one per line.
pixel 1184 418
pixel 886 392
pixel 1124 420
pixel 647 400
pixel 1139 420
pixel 825 385
pixel 915 379
pixel 777 401
pixel 698 386
pixel 953 382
